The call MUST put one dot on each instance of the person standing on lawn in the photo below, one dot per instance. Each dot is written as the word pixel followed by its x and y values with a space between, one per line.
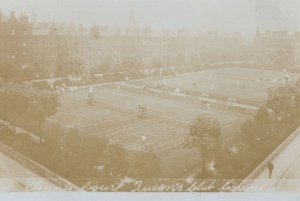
pixel 270 168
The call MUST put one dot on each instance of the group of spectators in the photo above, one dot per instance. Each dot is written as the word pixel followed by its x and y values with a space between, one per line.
pixel 63 86
pixel 58 86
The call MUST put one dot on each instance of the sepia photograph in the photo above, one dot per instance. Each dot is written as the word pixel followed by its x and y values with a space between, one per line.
pixel 172 96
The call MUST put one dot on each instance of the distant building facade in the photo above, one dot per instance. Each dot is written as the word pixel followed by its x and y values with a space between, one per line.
pixel 274 49
pixel 46 46
pixel 21 46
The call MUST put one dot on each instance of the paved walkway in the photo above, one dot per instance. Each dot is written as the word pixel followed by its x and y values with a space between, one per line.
pixel 8 184
pixel 15 177
pixel 286 172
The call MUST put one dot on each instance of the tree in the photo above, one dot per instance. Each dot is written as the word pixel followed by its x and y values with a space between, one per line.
pixel 92 150
pixel 82 153
pixel 155 63
pixel 74 65
pixel 42 106
pixel 195 62
pixel 53 138
pixel 70 145
pixel 29 72
pixel 115 160
pixel 7 71
pixel 282 100
pixel 23 99
pixel 297 84
pixel 146 165
pixel 204 135
pixel 130 66
pixel 259 130
pixel 63 52
pixel 180 60
pixel 283 56
pixel 104 66
pixel 15 100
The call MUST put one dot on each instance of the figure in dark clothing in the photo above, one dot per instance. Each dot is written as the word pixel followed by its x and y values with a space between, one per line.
pixel 270 168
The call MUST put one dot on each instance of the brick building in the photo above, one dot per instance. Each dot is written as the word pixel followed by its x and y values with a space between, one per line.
pixel 46 46
pixel 22 46
pixel 273 49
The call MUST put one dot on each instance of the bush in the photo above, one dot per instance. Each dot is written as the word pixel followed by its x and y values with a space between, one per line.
pixel 42 85
pixel 4 132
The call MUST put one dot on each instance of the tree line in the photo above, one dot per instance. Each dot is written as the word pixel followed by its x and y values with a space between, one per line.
pixel 71 154
pixel 237 156
pixel 10 72
pixel 82 158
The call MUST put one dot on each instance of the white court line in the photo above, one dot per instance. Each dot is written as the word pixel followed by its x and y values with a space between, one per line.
pixel 105 123
pixel 169 145
pixel 137 127
pixel 132 128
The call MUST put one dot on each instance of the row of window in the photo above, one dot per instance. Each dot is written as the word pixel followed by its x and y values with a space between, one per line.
pixel 24 44
pixel 38 44
pixel 48 65
pixel 13 56
pixel 24 54
pixel 94 53
pixel 12 32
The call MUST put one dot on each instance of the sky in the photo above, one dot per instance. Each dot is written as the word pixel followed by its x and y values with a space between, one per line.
pixel 244 16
